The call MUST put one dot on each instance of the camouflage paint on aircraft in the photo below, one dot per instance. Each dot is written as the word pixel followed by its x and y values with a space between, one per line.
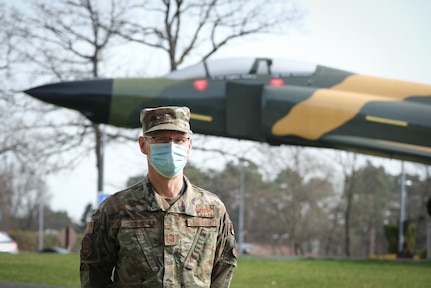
pixel 334 107
pixel 277 101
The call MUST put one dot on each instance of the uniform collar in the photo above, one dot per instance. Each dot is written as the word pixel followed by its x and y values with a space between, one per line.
pixel 154 202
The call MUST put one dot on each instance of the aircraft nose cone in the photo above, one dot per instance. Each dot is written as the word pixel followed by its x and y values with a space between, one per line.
pixel 91 97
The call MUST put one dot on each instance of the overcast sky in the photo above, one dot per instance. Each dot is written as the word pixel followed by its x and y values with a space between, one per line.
pixel 387 38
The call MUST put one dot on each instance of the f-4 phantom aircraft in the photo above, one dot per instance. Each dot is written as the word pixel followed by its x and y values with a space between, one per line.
pixel 278 101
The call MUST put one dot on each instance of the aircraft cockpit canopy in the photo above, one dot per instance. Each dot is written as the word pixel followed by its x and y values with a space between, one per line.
pixel 243 66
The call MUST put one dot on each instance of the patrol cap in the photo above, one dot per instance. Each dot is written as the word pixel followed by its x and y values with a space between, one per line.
pixel 166 118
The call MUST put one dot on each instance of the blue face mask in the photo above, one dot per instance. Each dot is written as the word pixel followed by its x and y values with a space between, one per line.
pixel 168 158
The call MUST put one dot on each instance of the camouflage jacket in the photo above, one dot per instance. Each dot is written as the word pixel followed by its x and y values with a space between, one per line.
pixel 136 240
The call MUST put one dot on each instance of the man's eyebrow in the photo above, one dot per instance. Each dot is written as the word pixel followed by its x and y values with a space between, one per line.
pixel 167 134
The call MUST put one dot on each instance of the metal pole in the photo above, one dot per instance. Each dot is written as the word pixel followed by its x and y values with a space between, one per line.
pixel 402 209
pixel 101 164
pixel 241 208
pixel 102 159
pixel 41 224
pixel 429 242
pixel 241 211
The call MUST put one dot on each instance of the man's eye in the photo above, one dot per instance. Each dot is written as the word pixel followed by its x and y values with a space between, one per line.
pixel 176 140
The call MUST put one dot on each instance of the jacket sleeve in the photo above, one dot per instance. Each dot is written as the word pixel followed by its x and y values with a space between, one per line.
pixel 226 262
pixel 97 253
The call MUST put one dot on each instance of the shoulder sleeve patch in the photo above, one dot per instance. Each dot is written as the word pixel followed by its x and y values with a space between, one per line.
pixel 86 247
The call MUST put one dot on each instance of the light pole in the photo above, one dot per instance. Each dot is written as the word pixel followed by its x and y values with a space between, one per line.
pixel 241 208
pixel 41 206
pixel 429 231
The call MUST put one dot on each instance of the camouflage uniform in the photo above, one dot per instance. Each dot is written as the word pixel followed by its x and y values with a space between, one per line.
pixel 151 244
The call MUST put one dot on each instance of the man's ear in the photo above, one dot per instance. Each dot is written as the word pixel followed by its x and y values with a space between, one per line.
pixel 143 145
pixel 189 150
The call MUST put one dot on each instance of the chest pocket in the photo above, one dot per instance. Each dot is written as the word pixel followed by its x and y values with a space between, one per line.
pixel 144 231
pixel 203 247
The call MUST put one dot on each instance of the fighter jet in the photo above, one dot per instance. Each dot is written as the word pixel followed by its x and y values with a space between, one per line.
pixel 278 101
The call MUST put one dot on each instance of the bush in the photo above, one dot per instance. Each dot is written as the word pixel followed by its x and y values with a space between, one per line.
pixel 29 240
pixel 391 233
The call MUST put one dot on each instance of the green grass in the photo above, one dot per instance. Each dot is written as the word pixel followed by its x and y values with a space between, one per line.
pixel 311 273
pixel 63 270
pixel 49 269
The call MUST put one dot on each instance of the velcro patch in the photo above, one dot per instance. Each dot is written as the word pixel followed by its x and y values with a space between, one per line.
pixel 202 222
pixel 138 223
pixel 90 227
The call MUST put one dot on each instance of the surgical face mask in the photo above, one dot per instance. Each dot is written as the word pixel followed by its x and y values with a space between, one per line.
pixel 168 158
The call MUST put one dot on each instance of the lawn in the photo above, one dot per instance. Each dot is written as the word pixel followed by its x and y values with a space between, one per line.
pixel 309 273
pixel 63 270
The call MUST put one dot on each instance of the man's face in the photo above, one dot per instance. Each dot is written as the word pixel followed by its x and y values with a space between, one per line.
pixel 164 136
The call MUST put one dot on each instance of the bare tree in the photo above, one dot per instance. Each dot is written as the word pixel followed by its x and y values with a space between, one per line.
pixel 22 190
pixel 418 193
pixel 67 40
pixel 348 162
pixel 22 156
pixel 6 194
pixel 184 28
pixel 305 196
pixel 372 192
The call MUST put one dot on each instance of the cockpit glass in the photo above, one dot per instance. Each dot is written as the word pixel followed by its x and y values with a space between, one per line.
pixel 241 66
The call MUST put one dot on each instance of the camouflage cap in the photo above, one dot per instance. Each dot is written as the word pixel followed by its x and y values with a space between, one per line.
pixel 166 118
